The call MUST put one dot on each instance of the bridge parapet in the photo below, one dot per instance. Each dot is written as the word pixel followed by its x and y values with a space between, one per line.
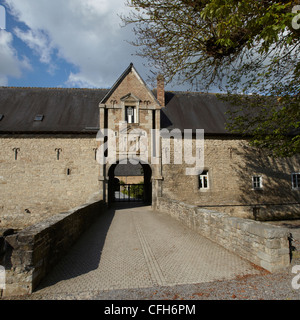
pixel 34 251
pixel 265 245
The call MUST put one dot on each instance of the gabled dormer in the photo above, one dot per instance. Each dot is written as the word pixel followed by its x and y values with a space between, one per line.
pixel 130 83
pixel 130 108
pixel 129 100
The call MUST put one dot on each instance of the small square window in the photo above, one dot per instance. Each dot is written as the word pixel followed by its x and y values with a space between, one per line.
pixel 296 180
pixel 39 117
pixel 203 180
pixel 257 182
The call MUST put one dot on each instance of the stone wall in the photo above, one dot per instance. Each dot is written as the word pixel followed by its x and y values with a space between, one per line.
pixel 37 185
pixel 264 245
pixel 34 251
pixel 231 163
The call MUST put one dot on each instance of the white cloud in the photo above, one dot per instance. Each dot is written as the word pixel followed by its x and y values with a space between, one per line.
pixel 86 34
pixel 10 64
pixel 37 41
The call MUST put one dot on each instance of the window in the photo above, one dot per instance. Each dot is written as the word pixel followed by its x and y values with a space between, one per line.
pixel 1 116
pixel 203 180
pixel 130 108
pixel 130 115
pixel 295 180
pixel 39 117
pixel 257 182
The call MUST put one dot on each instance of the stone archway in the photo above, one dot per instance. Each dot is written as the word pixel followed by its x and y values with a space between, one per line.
pixel 147 181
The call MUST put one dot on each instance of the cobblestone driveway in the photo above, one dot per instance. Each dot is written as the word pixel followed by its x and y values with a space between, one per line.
pixel 138 248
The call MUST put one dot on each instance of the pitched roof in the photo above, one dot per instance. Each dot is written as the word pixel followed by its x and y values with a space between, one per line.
pixel 63 110
pixel 128 169
pixel 193 110
pixel 76 110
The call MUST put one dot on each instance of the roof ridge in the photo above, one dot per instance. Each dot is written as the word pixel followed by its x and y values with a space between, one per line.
pixel 192 92
pixel 51 88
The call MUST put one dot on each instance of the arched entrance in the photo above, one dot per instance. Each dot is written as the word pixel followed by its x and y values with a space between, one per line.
pixel 124 184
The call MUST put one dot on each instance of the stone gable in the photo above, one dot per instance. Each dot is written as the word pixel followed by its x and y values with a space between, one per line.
pixel 132 85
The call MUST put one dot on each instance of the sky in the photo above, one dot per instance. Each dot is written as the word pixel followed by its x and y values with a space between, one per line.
pixel 66 43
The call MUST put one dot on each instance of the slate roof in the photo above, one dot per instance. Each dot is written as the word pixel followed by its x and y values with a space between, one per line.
pixel 77 110
pixel 193 110
pixel 128 169
pixel 64 110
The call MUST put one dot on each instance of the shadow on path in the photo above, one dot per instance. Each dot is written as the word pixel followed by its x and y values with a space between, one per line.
pixel 85 255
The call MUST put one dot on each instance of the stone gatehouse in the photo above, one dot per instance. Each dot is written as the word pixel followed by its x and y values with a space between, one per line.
pixel 52 151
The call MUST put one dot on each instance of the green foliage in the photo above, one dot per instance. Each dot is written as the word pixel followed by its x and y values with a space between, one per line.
pixel 241 46
pixel 136 190
pixel 270 123
pixel 204 38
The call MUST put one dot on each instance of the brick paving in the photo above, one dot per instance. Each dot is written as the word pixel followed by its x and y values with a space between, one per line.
pixel 135 247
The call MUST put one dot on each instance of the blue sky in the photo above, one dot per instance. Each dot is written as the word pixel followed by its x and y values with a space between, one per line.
pixel 65 43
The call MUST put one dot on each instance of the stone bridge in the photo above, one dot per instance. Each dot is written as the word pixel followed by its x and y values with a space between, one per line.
pixel 98 248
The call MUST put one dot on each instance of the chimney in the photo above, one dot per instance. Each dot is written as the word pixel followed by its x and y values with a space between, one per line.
pixel 161 90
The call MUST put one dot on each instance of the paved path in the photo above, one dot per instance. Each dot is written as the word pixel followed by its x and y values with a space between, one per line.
pixel 138 248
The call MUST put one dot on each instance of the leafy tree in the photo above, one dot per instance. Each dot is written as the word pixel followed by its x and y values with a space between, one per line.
pixel 134 190
pixel 241 46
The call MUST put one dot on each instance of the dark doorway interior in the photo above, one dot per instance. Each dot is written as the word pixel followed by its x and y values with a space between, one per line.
pixel 130 183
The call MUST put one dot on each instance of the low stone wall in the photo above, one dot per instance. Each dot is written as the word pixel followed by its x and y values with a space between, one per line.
pixel 265 245
pixel 34 251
